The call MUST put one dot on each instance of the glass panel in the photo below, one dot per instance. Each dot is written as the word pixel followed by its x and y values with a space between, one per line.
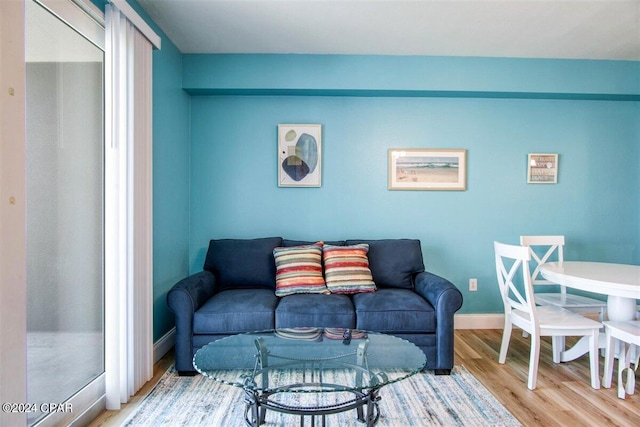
pixel 65 287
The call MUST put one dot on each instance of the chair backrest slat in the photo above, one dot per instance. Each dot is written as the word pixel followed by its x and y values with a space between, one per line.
pixel 553 244
pixel 512 297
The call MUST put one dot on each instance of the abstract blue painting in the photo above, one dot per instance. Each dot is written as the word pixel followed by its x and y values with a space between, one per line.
pixel 299 155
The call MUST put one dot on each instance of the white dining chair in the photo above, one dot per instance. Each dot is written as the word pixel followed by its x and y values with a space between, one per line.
pixel 520 310
pixel 576 303
pixel 628 335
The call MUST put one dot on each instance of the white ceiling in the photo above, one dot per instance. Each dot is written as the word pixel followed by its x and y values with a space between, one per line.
pixel 577 29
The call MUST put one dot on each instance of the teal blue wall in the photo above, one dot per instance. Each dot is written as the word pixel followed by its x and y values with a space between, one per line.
pixel 596 202
pixel 365 75
pixel 215 156
pixel 171 111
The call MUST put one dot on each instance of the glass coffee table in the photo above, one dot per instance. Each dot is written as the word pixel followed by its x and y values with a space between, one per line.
pixel 310 371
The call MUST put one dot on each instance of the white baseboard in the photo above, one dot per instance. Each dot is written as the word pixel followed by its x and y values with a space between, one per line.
pixel 478 321
pixel 164 345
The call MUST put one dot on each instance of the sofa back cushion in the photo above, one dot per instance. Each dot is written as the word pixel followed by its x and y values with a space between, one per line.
pixel 299 270
pixel 346 269
pixel 240 263
pixel 287 242
pixel 393 262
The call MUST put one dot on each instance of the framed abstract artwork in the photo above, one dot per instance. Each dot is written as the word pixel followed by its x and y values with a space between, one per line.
pixel 427 169
pixel 542 168
pixel 299 155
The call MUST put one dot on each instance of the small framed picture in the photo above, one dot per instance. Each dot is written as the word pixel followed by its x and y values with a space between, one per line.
pixel 542 168
pixel 299 155
pixel 427 169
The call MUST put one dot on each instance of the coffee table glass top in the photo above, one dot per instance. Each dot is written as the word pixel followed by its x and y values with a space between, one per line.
pixel 309 360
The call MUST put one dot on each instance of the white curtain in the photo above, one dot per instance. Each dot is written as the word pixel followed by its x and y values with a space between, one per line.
pixel 128 208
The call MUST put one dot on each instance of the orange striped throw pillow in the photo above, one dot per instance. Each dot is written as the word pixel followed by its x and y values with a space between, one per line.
pixel 299 270
pixel 346 269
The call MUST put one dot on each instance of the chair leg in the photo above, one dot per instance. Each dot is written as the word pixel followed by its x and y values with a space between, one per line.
pixel 506 337
pixel 533 361
pixel 635 355
pixel 624 366
pixel 631 382
pixel 602 316
pixel 594 361
pixel 557 347
pixel 608 360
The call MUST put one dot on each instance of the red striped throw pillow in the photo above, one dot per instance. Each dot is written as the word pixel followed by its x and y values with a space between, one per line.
pixel 299 270
pixel 346 269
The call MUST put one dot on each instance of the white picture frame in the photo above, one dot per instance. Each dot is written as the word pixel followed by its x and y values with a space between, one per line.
pixel 542 168
pixel 427 169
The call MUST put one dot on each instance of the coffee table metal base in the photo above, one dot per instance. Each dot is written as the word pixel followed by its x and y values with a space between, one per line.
pixel 257 404
pixel 257 401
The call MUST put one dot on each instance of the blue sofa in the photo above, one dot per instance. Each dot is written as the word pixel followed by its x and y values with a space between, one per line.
pixel 235 293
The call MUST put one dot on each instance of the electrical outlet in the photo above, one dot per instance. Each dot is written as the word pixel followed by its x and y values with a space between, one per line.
pixel 473 285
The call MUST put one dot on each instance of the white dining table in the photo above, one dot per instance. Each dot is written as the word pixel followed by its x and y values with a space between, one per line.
pixel 620 282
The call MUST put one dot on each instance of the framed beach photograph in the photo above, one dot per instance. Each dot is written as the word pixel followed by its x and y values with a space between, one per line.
pixel 299 155
pixel 427 169
pixel 542 168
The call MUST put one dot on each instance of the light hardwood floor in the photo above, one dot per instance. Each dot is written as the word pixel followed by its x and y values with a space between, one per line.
pixel 563 396
pixel 116 418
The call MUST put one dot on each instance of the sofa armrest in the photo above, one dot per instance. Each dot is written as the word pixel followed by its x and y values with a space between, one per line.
pixel 438 291
pixel 184 299
pixel 446 298
pixel 191 292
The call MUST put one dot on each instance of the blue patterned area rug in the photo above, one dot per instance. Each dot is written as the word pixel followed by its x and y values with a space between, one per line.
pixel 422 400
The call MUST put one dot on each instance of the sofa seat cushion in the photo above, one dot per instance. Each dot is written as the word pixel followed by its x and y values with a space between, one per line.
pixel 315 310
pixel 394 311
pixel 236 311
